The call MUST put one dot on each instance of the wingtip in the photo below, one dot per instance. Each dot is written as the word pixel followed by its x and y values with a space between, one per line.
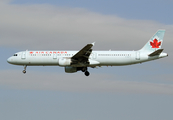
pixel 93 43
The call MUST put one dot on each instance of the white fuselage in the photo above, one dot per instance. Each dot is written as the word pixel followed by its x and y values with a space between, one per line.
pixel 74 61
pixel 97 58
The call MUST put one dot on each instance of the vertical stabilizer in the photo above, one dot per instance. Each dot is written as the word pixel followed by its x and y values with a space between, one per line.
pixel 155 42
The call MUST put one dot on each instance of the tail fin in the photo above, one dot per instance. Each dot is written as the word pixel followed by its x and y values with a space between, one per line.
pixel 155 42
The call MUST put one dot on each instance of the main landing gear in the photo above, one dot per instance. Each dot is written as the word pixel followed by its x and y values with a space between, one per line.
pixel 84 69
pixel 24 71
pixel 87 73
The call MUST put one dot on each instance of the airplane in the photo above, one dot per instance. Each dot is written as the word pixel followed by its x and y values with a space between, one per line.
pixel 74 61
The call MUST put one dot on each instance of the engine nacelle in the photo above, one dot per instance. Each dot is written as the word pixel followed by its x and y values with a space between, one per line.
pixel 69 69
pixel 64 62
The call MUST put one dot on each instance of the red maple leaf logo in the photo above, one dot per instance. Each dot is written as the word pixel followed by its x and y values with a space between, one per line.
pixel 30 52
pixel 155 43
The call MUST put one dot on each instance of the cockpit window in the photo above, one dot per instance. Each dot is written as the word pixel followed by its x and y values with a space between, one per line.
pixel 15 55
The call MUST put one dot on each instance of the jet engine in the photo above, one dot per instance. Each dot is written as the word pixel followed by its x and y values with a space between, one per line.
pixel 69 69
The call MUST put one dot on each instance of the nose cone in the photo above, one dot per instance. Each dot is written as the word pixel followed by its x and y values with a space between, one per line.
pixel 9 60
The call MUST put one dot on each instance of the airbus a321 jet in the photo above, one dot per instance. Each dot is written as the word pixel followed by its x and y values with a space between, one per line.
pixel 74 61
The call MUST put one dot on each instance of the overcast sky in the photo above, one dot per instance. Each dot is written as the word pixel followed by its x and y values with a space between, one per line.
pixel 142 91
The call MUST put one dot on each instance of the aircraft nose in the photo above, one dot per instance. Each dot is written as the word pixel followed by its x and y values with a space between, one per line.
pixel 9 60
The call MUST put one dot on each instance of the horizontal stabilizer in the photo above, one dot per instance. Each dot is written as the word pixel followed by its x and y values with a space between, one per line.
pixel 157 52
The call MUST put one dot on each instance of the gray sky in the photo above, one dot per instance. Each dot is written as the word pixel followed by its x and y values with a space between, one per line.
pixel 142 91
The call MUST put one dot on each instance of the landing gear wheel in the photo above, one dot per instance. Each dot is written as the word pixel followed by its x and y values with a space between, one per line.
pixel 87 73
pixel 24 71
pixel 84 69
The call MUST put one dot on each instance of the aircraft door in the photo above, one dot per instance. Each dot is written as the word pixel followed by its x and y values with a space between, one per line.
pixel 137 55
pixel 94 55
pixel 54 55
pixel 23 55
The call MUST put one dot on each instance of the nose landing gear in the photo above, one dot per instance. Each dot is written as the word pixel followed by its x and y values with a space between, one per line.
pixel 24 71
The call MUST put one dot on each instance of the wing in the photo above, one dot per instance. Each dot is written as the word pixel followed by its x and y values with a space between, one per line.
pixel 83 55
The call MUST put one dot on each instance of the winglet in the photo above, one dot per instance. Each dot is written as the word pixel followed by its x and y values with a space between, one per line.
pixel 93 43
